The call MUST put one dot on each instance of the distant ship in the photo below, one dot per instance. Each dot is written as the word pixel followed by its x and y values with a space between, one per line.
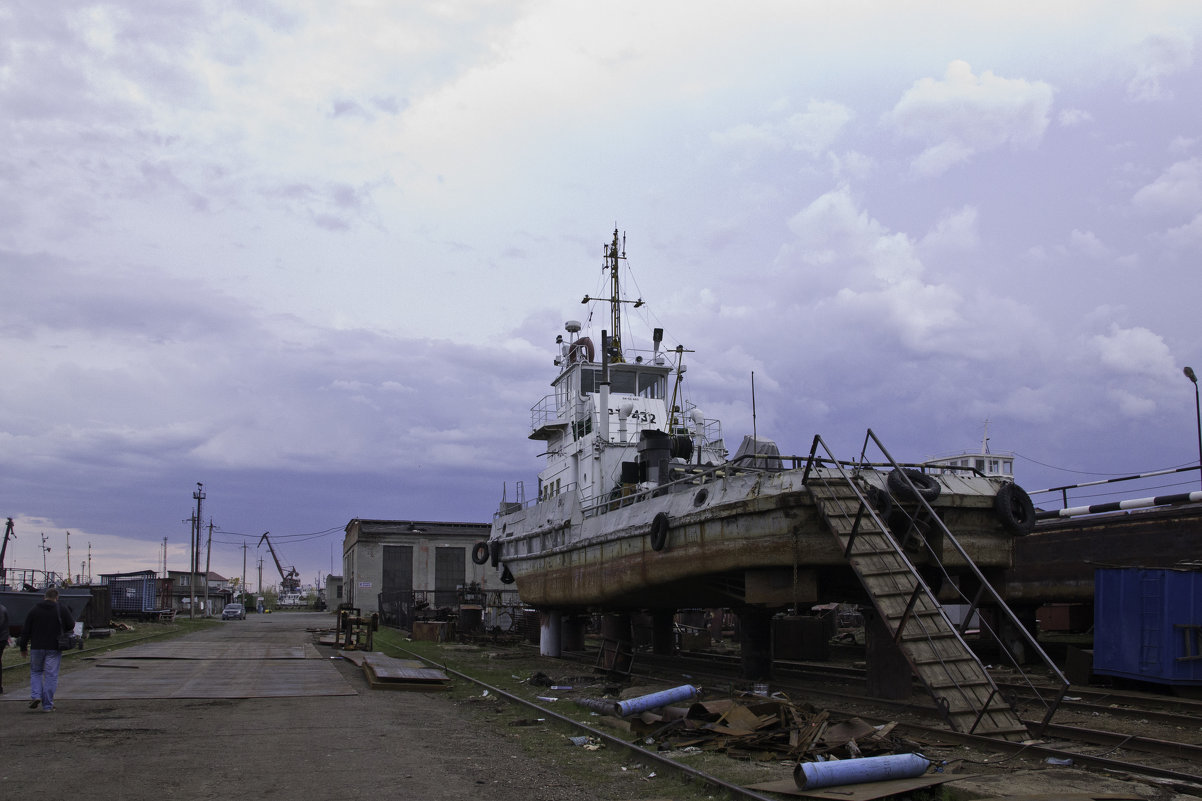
pixel 983 461
pixel 21 589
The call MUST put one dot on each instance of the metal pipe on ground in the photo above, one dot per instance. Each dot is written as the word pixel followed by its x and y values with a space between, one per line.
pixel 815 775
pixel 652 700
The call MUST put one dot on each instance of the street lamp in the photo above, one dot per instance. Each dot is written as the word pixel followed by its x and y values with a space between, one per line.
pixel 1189 373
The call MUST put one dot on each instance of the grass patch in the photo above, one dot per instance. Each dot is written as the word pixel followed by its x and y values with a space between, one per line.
pixel 612 772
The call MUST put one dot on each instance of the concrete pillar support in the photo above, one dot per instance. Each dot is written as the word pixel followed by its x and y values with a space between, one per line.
pixel 889 673
pixel 755 639
pixel 549 642
pixel 663 634
pixel 617 643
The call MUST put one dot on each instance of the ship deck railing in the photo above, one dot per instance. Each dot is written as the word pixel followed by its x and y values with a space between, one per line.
pixel 688 476
pixel 22 578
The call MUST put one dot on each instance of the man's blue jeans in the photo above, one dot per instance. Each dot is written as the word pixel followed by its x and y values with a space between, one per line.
pixel 43 675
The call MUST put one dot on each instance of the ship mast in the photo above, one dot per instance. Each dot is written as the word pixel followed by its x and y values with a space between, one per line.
pixel 612 255
pixel 614 252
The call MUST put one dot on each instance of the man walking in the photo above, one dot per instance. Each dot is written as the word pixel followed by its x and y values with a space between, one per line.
pixel 39 636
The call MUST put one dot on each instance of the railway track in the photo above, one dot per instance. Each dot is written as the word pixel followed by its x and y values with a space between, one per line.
pixel 1184 713
pixel 733 790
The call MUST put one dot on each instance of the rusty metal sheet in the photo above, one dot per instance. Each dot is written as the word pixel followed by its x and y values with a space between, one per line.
pixel 384 672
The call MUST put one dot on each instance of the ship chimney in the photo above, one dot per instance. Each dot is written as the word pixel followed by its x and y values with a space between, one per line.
pixel 603 397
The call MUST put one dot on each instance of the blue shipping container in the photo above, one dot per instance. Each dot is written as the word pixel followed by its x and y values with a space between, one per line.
pixel 1147 624
pixel 132 592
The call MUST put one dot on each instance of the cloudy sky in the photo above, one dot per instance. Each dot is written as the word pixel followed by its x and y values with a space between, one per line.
pixel 315 255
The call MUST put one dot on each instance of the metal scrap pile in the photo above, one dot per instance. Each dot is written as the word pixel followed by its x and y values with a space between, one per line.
pixel 762 728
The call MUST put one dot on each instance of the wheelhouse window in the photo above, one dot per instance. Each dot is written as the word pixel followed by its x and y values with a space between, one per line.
pixel 623 380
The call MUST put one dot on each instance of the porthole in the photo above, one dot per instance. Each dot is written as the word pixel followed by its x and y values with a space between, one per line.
pixel 701 496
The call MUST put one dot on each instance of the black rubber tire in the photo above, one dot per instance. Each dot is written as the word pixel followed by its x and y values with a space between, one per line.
pixel 927 485
pixel 659 531
pixel 881 501
pixel 480 553
pixel 494 552
pixel 1015 509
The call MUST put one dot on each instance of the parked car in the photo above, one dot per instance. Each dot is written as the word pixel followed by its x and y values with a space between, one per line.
pixel 233 612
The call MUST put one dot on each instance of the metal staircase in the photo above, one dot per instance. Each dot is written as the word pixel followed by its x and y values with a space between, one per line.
pixel 940 658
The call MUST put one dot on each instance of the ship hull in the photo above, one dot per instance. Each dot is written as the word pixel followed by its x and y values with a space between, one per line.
pixel 742 539
pixel 19 602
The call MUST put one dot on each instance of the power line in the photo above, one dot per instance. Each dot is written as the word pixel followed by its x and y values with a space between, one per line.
pixel 1095 472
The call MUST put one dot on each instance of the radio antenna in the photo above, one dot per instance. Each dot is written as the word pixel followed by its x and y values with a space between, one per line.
pixel 754 436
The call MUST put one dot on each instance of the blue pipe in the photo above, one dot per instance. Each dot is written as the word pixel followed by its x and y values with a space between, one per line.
pixel 662 698
pixel 813 775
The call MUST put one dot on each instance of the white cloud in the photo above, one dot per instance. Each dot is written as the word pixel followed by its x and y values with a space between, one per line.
pixel 1135 352
pixel 1177 190
pixel 1186 238
pixel 1088 244
pixel 1072 117
pixel 1158 57
pixel 965 114
pixel 834 229
pixel 812 131
pixel 1182 144
pixel 1130 404
pixel 851 165
pixel 956 230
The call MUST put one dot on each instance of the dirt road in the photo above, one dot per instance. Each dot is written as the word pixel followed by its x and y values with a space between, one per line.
pixel 370 744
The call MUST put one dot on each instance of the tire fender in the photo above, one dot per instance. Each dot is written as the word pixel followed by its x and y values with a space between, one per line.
pixel 480 553
pixel 659 531
pixel 1015 509
pixel 881 501
pixel 928 486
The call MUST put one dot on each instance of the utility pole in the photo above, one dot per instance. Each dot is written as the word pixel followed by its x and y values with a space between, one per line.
pixel 260 584
pixel 198 496
pixel 89 561
pixel 192 564
pixel 68 556
pixel 244 547
pixel 45 550
pixel 208 563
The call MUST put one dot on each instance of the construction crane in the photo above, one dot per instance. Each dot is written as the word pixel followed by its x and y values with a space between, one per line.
pixel 289 579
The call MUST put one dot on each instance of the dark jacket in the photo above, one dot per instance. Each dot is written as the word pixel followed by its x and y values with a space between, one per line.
pixel 4 626
pixel 43 624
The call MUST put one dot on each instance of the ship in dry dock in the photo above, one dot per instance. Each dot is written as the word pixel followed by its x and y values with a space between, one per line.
pixel 640 507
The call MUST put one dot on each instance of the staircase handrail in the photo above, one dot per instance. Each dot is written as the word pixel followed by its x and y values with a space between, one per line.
pixel 984 585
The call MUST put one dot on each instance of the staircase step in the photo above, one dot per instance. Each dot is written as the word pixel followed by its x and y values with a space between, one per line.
pixel 922 662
